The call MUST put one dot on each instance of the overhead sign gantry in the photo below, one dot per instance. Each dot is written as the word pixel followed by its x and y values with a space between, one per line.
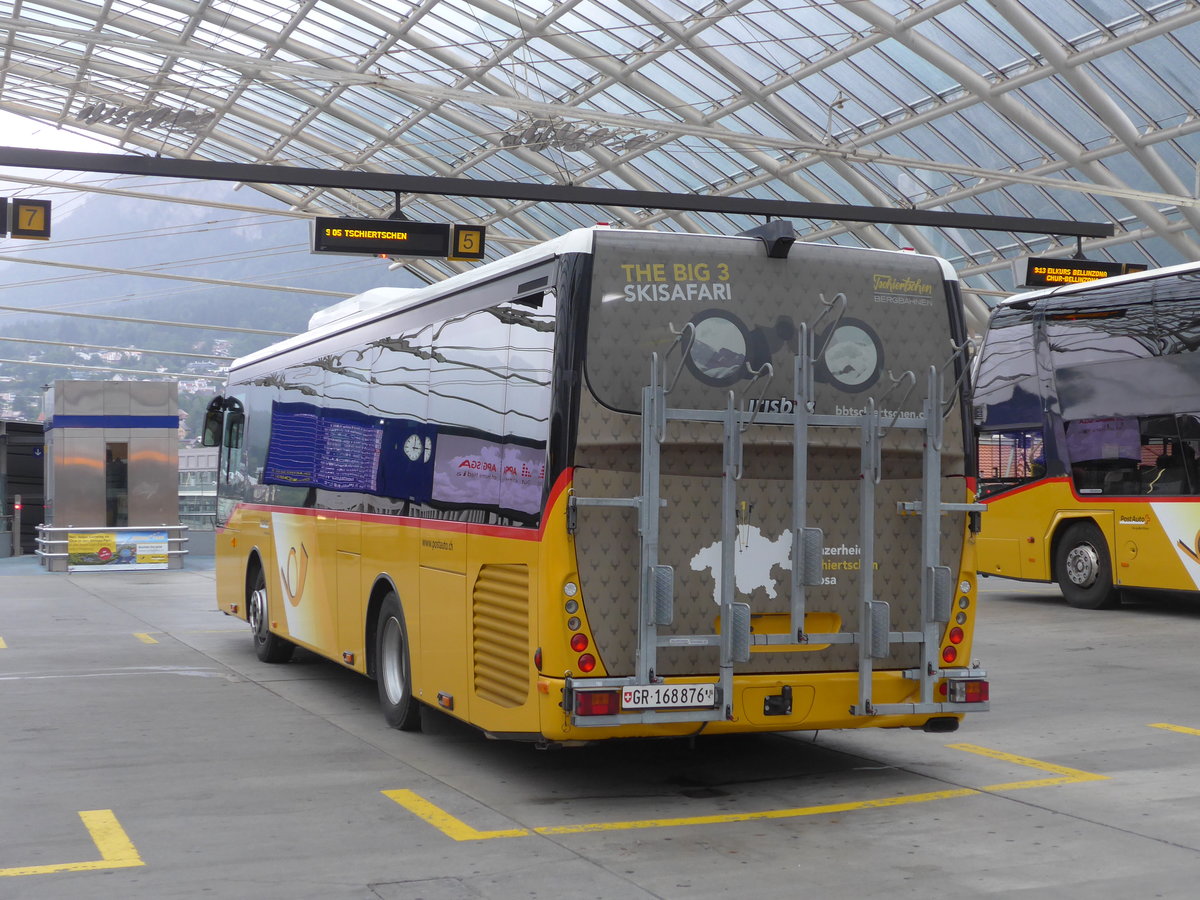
pixel 155 166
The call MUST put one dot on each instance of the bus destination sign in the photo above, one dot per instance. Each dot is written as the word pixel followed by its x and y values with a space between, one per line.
pixel 1044 272
pixel 381 237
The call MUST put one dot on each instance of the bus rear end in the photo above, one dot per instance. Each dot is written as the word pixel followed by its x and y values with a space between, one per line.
pixel 765 526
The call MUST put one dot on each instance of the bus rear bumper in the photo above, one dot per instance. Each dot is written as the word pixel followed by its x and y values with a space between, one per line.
pixel 573 710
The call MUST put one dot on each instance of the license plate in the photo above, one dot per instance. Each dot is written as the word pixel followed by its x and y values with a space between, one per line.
pixel 668 696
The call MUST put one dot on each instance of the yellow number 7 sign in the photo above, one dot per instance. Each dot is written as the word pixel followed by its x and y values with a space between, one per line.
pixel 30 219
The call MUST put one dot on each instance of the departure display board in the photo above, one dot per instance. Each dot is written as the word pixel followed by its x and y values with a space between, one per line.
pixel 381 237
pixel 1044 272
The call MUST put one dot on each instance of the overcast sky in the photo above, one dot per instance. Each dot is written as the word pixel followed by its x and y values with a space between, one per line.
pixel 16 131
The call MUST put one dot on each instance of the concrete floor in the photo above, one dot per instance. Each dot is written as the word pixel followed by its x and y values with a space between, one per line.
pixel 148 754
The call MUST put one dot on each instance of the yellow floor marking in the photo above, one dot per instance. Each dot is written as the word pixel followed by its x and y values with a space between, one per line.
pixel 758 816
pixel 1179 728
pixel 461 831
pixel 3 646
pixel 1066 775
pixel 144 638
pixel 116 850
pixel 442 820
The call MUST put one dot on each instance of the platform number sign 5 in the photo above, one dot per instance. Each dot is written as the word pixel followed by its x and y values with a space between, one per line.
pixel 466 242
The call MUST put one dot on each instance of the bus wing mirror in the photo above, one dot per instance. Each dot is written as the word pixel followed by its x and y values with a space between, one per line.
pixel 214 419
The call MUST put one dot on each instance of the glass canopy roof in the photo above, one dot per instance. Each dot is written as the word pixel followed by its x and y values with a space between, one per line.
pixel 1082 110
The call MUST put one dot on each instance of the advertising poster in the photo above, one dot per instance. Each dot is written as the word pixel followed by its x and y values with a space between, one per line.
pixel 110 551
pixel 333 449
pixel 477 472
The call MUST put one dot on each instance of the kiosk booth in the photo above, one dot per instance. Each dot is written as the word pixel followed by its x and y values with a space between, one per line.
pixel 112 477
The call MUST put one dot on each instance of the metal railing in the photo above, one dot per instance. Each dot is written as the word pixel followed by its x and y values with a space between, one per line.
pixel 55 547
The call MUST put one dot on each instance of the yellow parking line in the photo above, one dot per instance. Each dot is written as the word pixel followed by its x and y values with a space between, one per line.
pixel 758 816
pixel 1065 775
pixel 461 831
pixel 116 849
pixel 443 821
pixel 1179 728
pixel 144 638
pixel 3 646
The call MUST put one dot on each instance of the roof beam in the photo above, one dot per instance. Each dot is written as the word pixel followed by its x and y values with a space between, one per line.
pixel 468 187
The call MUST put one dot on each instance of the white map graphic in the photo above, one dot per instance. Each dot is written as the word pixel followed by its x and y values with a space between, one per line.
pixel 756 555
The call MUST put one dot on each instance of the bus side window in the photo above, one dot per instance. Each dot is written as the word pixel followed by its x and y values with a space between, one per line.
pixel 1173 472
pixel 1189 444
pixel 1009 459
pixel 1006 380
pixel 1190 454
pixel 1106 455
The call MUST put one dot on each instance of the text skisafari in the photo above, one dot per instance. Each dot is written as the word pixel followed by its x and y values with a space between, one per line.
pixel 659 282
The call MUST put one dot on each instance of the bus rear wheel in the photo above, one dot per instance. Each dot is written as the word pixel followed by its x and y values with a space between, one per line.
pixel 393 670
pixel 270 648
pixel 1083 568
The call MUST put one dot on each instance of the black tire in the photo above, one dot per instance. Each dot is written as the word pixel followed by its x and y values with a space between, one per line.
pixel 1083 568
pixel 270 648
pixel 393 671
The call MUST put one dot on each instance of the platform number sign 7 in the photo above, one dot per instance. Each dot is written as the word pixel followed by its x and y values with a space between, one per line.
pixel 30 219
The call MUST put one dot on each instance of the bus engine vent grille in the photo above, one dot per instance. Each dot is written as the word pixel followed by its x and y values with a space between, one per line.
pixel 500 634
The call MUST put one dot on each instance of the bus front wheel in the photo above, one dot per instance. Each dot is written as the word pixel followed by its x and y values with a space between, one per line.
pixel 1083 568
pixel 393 670
pixel 270 648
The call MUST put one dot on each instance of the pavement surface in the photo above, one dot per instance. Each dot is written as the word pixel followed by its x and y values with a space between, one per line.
pixel 147 753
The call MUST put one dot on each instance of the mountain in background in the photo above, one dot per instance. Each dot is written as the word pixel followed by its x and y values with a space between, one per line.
pixel 117 232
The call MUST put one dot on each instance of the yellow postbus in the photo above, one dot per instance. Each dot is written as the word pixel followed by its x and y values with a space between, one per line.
pixel 620 484
pixel 1088 398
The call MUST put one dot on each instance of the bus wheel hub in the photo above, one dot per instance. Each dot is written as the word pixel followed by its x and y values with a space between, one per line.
pixel 258 611
pixel 1083 565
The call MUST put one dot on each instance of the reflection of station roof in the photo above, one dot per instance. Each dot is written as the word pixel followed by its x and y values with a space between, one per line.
pixel 1087 113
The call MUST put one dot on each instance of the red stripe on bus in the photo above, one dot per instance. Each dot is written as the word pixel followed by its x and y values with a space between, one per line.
pixel 503 531
pixel 1010 492
pixel 1105 499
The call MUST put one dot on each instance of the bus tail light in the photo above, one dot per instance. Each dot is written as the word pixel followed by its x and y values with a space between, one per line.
pixel 597 703
pixel 967 690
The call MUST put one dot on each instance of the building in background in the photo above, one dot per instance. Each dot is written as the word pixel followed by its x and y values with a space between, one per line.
pixel 22 474
pixel 197 487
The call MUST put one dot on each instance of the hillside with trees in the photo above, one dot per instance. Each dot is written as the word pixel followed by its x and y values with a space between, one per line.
pixel 112 234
